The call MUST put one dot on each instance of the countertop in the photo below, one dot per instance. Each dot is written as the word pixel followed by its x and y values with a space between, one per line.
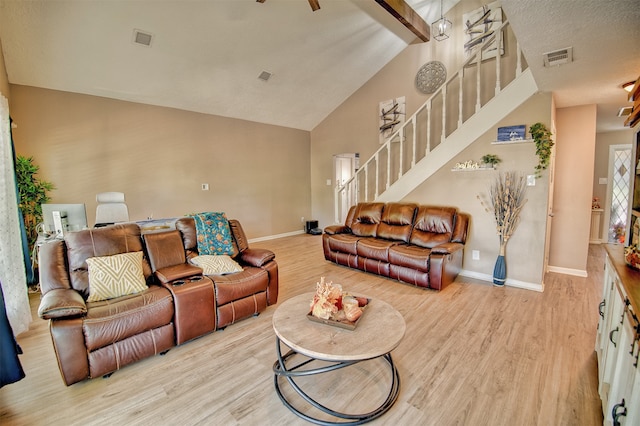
pixel 629 277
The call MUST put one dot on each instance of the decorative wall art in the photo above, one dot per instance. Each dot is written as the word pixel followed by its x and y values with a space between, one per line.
pixel 511 133
pixel 478 26
pixel 392 115
pixel 431 76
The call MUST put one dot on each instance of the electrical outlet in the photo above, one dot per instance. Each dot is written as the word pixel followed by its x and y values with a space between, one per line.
pixel 302 219
pixel 475 254
pixel 205 186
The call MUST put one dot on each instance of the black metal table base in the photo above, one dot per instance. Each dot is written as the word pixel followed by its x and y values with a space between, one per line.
pixel 280 369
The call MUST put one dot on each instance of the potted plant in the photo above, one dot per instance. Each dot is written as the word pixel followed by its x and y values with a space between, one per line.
pixel 542 138
pixel 32 192
pixel 491 160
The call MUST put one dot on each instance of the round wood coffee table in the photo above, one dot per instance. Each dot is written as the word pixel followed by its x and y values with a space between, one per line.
pixel 378 332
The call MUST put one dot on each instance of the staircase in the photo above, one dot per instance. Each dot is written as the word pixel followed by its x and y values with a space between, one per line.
pixel 473 100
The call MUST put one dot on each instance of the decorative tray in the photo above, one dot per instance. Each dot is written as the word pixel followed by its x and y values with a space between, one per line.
pixel 344 323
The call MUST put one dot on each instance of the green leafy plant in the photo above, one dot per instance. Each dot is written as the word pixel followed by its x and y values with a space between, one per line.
pixel 491 159
pixel 32 192
pixel 542 137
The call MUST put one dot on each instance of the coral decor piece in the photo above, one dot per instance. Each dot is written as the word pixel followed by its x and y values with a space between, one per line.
pixel 331 303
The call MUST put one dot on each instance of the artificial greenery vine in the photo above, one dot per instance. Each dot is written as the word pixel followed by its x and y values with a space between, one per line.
pixel 32 192
pixel 542 137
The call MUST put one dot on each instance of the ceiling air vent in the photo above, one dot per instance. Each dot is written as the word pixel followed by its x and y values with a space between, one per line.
pixel 558 57
pixel 265 75
pixel 143 38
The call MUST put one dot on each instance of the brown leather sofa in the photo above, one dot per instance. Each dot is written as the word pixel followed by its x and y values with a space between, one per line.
pixel 93 339
pixel 417 244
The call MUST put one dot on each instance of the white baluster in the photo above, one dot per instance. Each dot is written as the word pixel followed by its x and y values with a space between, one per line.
pixel 444 112
pixel 498 62
pixel 428 148
pixel 478 91
pixel 518 59
pixel 414 148
pixel 388 183
pixel 461 78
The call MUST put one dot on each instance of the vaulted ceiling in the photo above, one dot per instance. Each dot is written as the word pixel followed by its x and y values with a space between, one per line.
pixel 206 56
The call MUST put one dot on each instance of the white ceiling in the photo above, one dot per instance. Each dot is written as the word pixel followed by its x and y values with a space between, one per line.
pixel 206 55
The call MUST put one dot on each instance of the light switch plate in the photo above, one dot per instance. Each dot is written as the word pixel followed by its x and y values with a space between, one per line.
pixel 603 181
pixel 531 180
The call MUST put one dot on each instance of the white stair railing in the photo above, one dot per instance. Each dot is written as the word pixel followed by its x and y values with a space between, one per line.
pixel 493 65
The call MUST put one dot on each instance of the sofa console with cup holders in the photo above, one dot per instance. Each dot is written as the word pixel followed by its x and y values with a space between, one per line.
pixel 113 296
pixel 421 245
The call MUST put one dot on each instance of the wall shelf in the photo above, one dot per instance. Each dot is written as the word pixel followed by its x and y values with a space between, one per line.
pixel 479 169
pixel 511 142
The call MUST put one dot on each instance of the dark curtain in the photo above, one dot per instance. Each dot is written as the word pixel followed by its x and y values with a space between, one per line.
pixel 10 368
pixel 31 279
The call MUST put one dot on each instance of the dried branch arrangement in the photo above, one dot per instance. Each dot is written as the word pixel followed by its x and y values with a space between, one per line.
pixel 506 200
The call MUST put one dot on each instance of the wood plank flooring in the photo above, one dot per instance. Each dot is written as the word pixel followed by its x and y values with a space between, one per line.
pixel 472 355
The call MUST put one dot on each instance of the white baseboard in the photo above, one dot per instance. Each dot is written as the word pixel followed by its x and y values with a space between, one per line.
pixel 273 237
pixel 568 271
pixel 509 282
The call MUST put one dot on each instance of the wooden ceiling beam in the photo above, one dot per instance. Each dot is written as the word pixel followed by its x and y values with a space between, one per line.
pixel 315 4
pixel 408 17
pixel 400 10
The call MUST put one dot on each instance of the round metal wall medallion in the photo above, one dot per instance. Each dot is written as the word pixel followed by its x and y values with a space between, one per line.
pixel 431 76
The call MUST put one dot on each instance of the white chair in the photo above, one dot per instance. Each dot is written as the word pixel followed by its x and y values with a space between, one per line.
pixel 111 208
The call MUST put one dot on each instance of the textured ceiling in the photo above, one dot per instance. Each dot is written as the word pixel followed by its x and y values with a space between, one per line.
pixel 605 36
pixel 206 55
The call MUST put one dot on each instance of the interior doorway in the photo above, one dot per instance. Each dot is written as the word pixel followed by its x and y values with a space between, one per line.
pixel 617 203
pixel 345 167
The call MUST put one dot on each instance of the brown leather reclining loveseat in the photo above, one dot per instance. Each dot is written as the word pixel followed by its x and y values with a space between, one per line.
pixel 96 338
pixel 417 244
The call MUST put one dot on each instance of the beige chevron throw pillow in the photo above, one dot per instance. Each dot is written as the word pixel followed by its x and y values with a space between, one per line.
pixel 115 276
pixel 211 264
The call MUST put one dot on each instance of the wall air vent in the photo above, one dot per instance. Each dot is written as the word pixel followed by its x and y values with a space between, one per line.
pixel 265 75
pixel 558 57
pixel 143 38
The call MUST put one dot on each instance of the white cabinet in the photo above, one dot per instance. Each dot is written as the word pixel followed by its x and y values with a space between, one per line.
pixel 617 348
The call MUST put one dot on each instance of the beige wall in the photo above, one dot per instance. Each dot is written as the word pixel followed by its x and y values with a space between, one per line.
pixel 525 250
pixel 601 167
pixel 353 126
pixel 4 80
pixel 159 157
pixel 574 173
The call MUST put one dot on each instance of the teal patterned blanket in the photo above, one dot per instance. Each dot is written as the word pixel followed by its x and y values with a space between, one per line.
pixel 214 234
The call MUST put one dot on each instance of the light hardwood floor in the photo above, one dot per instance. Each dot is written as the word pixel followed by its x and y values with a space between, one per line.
pixel 472 355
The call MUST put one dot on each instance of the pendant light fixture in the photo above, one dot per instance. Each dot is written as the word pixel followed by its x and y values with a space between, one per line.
pixel 441 27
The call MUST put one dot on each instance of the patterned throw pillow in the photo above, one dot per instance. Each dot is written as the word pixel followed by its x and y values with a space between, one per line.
pixel 115 276
pixel 216 264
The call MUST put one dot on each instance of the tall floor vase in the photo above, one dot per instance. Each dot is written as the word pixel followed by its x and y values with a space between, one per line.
pixel 500 270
